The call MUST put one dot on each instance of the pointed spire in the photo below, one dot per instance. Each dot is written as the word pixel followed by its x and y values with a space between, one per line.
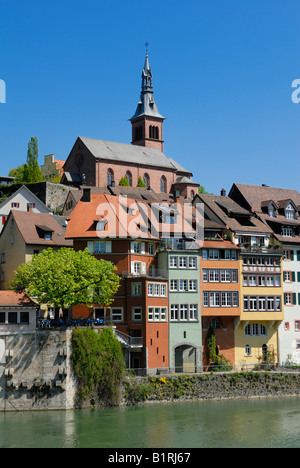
pixel 147 105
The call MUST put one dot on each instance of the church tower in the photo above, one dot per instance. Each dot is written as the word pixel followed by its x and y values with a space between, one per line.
pixel 147 123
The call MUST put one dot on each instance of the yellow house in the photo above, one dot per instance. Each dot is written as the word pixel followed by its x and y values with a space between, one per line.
pixel 261 282
pixel 262 308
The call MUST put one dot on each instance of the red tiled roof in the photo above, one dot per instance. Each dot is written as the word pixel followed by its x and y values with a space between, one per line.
pixel 14 299
pixel 28 222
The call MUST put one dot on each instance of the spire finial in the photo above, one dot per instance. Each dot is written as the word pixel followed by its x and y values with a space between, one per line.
pixel 146 45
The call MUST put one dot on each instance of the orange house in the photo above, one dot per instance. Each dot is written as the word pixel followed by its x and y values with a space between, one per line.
pixel 220 295
pixel 104 225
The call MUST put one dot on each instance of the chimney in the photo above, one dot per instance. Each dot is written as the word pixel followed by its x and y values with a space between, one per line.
pixel 223 193
pixel 86 197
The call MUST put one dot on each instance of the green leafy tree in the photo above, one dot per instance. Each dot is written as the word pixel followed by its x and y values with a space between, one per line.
pixel 124 182
pixel 64 278
pixel 32 172
pixel 141 183
pixel 201 189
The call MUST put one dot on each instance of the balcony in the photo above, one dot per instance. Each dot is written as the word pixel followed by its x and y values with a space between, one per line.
pixel 261 249
pixel 178 244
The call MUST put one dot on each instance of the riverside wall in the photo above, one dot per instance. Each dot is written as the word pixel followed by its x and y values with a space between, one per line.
pixel 36 374
pixel 35 371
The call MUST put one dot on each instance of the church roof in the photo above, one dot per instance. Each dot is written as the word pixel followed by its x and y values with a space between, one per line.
pixel 127 153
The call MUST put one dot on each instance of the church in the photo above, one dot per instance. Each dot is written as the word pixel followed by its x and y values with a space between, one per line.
pixel 100 163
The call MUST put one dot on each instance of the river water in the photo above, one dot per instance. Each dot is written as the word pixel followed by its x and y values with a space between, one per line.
pixel 270 423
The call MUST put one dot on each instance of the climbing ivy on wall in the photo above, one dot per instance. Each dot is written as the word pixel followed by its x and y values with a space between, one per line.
pixel 98 365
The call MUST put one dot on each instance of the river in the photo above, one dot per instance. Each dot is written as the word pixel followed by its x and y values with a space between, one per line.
pixel 270 423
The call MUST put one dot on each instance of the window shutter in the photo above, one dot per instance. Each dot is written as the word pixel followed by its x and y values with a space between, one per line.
pixel 293 276
pixel 142 247
pixel 131 247
pixel 90 246
pixel 132 267
pixel 294 299
pixel 108 246
pixel 298 276
pixel 292 255
pixel 298 255
pixel 284 298
pixel 143 268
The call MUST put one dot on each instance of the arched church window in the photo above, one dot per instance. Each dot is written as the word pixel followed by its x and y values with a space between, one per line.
pixel 163 184
pixel 146 180
pixel 109 176
pixel 129 177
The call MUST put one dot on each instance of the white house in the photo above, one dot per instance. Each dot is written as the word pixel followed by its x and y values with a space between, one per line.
pixel 24 200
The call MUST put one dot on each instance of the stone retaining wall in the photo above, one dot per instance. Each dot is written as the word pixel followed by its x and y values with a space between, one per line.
pixel 35 371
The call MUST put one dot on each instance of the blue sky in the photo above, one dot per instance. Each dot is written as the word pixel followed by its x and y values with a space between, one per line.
pixel 222 74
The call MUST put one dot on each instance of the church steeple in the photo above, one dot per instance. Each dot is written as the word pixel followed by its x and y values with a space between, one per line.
pixel 147 122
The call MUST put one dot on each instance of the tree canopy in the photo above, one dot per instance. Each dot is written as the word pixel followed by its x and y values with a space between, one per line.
pixel 30 171
pixel 64 278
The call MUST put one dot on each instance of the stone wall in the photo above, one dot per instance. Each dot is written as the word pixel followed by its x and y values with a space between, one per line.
pixel 230 385
pixel 35 371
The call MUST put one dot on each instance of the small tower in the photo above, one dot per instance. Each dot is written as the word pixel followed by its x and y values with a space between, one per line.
pixel 147 123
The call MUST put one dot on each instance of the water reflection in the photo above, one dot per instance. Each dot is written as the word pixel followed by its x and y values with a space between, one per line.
pixel 249 423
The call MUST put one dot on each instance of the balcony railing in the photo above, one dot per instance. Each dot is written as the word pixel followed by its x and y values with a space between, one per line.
pixel 271 249
pixel 129 341
pixel 178 244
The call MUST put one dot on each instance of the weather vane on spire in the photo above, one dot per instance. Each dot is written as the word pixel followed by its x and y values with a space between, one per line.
pixel 147 44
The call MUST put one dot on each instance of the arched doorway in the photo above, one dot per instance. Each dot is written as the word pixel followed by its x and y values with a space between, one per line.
pixel 185 358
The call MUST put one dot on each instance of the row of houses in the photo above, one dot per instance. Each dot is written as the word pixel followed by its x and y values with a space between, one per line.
pixel 192 265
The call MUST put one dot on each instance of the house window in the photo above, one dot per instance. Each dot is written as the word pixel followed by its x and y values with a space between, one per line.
pixel 193 312
pixel 151 249
pixel 192 262
pixel 290 212
pixel 24 317
pixel 271 211
pixel 137 314
pixel 183 311
pixel 183 285
pixel 213 254
pixel 193 285
pixel 173 262
pixel 182 262
pixel 255 329
pixel 174 312
pixel 297 325
pixel 117 314
pixel 150 289
pixel 2 317
pixel 247 350
pixel 173 285
pixel 136 289
pixel 157 314
pixel 287 232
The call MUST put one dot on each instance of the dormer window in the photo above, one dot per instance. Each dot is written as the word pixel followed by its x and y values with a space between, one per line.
pixel 271 211
pixel 287 232
pixel 290 212
pixel 44 232
pixel 101 225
